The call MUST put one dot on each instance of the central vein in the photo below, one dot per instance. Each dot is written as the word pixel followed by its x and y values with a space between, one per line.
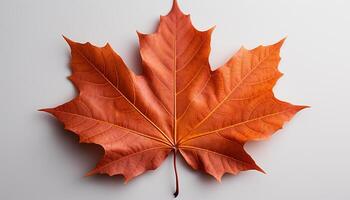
pixel 174 92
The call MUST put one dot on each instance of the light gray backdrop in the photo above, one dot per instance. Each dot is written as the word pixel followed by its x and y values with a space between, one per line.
pixel 308 159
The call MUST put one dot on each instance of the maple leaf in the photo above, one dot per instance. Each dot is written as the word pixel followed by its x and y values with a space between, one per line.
pixel 176 105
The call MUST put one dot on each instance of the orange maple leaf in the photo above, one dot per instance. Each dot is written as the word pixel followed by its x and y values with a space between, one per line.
pixel 176 105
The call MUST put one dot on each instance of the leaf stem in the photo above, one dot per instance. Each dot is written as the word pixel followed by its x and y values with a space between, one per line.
pixel 176 176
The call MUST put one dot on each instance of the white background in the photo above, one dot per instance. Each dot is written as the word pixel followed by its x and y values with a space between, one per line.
pixel 308 159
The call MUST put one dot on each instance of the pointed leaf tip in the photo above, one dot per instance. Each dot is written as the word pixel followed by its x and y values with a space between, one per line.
pixel 280 43
pixel 175 5
pixel 303 107
pixel 259 169
pixel 48 110
pixel 175 9
pixel 210 30
pixel 69 41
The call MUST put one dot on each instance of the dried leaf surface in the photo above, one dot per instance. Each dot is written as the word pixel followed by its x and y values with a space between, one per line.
pixel 177 104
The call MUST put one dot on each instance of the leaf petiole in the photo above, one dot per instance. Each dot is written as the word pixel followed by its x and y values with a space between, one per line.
pixel 176 193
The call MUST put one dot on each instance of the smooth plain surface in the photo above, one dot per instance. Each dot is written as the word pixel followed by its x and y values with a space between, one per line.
pixel 308 159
